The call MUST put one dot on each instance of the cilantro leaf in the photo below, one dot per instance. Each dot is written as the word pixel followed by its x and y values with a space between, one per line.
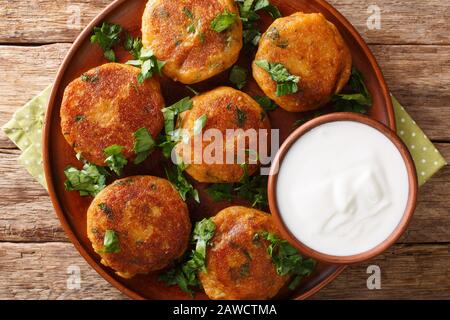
pixel 115 158
pixel 265 103
pixel 199 124
pixel 110 243
pixel 148 63
pixel 354 102
pixel 89 181
pixel 107 36
pixel 287 259
pixel 171 112
pixel 286 82
pixel 143 144
pixel 176 176
pixel 238 76
pixel 89 78
pixel 185 274
pixel 133 45
pixel 223 21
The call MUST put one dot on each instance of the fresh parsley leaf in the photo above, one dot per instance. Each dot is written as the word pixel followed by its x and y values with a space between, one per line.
pixel 287 259
pixel 143 144
pixel 223 21
pixel 221 191
pixel 110 243
pixel 171 112
pixel 188 13
pixel 199 124
pixel 133 45
pixel 354 102
pixel 79 118
pixel 88 181
pixel 148 63
pixel 238 76
pixel 115 158
pixel 286 82
pixel 107 36
pixel 241 117
pixel 175 175
pixel 89 78
pixel 265 103
pixel 185 275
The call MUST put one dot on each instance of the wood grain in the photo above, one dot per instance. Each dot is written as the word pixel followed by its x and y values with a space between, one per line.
pixel 27 214
pixel 419 76
pixel 414 271
pixel 414 22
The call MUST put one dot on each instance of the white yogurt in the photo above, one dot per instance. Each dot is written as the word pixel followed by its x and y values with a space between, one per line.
pixel 342 188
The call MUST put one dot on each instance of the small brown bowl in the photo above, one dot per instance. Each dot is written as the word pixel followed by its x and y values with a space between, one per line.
pixel 410 206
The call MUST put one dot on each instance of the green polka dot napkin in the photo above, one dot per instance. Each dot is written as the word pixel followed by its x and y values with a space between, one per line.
pixel 25 130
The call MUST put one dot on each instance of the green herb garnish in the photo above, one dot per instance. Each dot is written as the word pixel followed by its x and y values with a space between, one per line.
pixel 354 102
pixel 223 21
pixel 238 76
pixel 79 118
pixel 148 63
pixel 88 78
pixel 175 175
pixel 107 36
pixel 241 117
pixel 115 158
pixel 188 13
pixel 133 45
pixel 286 83
pixel 88 181
pixel 265 103
pixel 110 243
pixel 287 259
pixel 185 275
pixel 249 16
pixel 199 124
pixel 171 112
pixel 143 144
pixel 107 210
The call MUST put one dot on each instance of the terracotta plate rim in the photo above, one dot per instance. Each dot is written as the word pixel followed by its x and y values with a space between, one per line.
pixel 52 108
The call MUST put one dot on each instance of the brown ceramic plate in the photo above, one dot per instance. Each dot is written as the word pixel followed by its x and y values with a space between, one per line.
pixel 71 208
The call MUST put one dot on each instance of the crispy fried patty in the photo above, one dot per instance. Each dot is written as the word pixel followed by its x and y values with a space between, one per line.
pixel 225 108
pixel 151 222
pixel 311 47
pixel 105 106
pixel 179 32
pixel 237 263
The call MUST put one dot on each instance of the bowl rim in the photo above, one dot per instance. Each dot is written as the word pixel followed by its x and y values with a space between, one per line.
pixel 412 184
pixel 51 109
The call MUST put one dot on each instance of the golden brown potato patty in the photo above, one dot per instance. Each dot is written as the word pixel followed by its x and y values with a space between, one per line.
pixel 237 263
pixel 179 32
pixel 310 47
pixel 150 220
pixel 105 106
pixel 225 108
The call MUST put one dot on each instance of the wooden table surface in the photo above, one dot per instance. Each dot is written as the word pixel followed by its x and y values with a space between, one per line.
pixel 413 49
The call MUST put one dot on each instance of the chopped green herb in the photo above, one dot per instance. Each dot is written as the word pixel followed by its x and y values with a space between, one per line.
pixel 107 36
pixel 148 63
pixel 110 243
pixel 287 259
pixel 185 275
pixel 223 21
pixel 195 92
pixel 171 112
pixel 133 45
pixel 88 182
pixel 221 191
pixel 199 124
pixel 88 78
pixel 176 176
pixel 79 118
pixel 238 76
pixel 115 158
pixel 201 36
pixel 273 33
pixel 241 117
pixel 188 12
pixel 191 28
pixel 143 144
pixel 286 83
pixel 354 102
pixel 107 210
pixel 265 102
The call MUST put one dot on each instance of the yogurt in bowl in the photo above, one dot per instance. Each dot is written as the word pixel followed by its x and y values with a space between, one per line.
pixel 342 188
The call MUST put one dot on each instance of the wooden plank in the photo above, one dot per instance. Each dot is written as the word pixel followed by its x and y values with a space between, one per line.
pixel 417 22
pixel 40 271
pixel 418 75
pixel 407 272
pixel 27 214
